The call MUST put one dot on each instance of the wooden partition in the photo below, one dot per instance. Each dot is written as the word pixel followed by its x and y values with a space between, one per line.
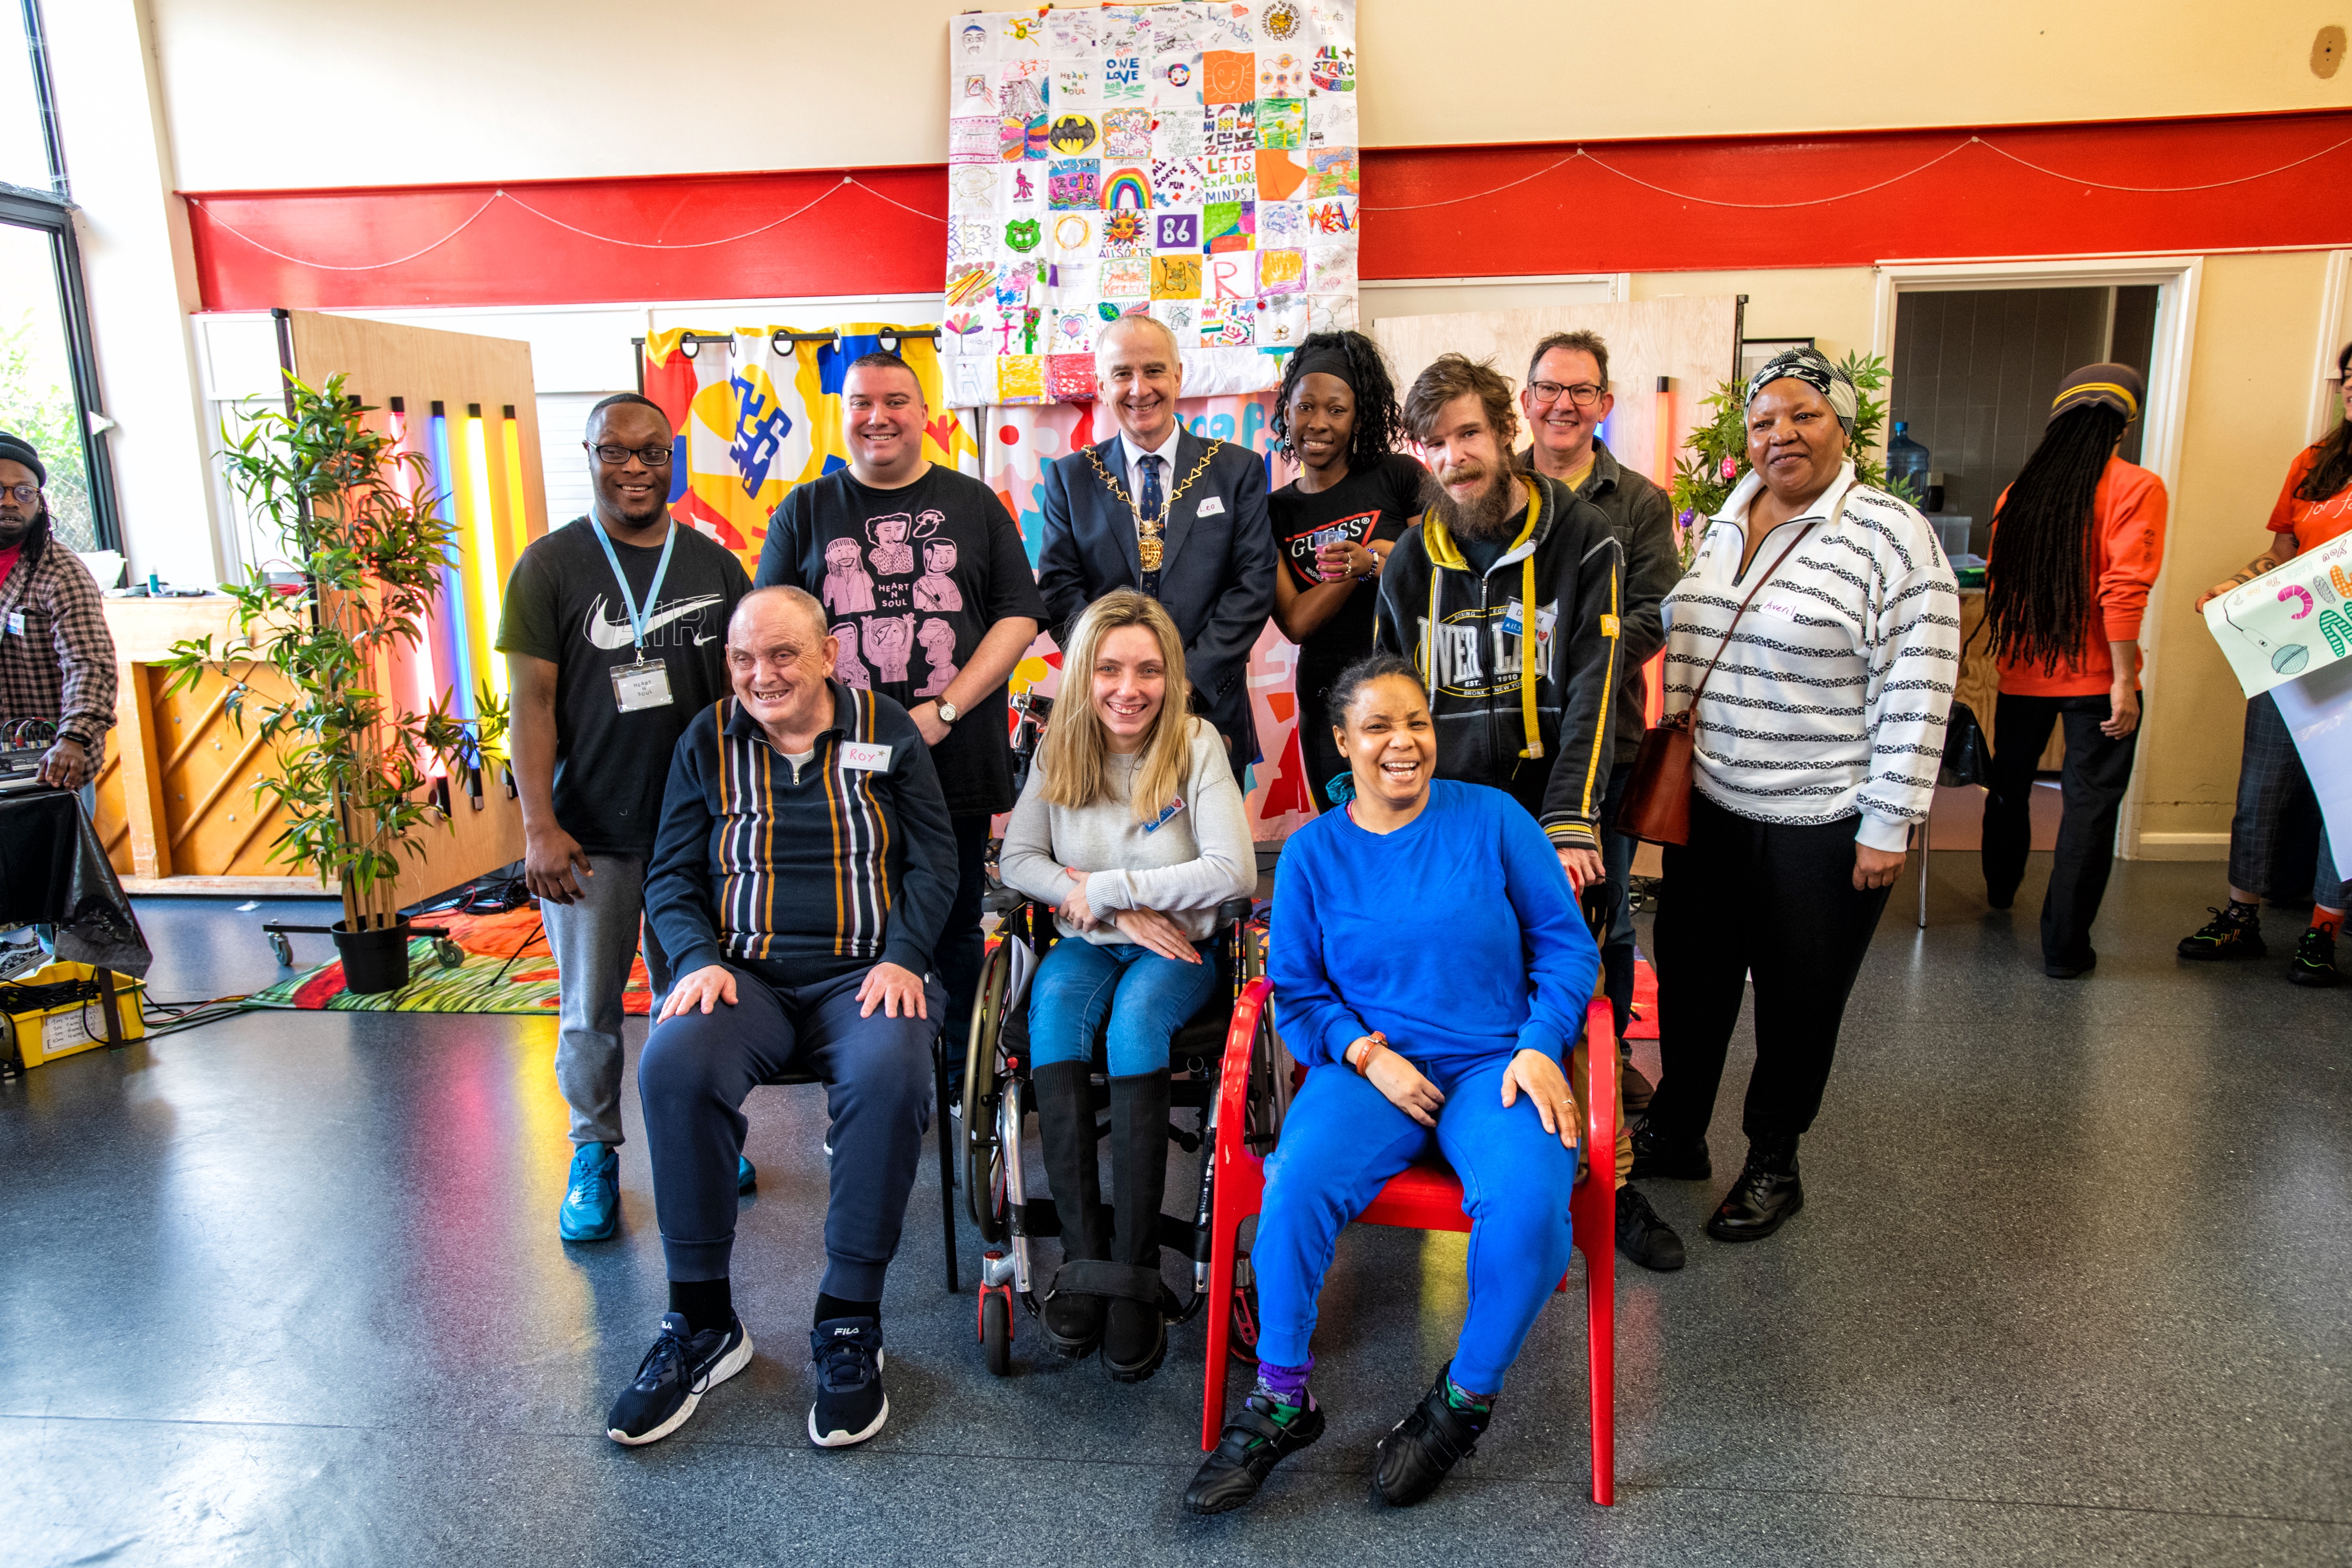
pixel 176 806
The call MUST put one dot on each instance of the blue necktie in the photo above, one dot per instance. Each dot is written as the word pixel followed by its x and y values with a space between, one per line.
pixel 1154 502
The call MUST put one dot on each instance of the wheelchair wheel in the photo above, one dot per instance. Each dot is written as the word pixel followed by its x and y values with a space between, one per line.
pixel 996 1332
pixel 983 1152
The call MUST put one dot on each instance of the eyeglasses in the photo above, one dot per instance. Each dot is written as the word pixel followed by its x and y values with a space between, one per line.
pixel 23 494
pixel 651 457
pixel 1583 394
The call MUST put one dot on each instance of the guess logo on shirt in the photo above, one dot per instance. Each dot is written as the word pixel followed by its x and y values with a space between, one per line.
pixel 1299 549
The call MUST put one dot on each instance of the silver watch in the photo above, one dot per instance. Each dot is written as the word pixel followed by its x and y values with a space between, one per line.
pixel 949 711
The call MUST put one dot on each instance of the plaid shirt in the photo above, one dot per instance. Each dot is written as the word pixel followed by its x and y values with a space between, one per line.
pixel 57 657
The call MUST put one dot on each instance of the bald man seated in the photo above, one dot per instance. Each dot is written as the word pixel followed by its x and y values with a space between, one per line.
pixel 1159 508
pixel 803 868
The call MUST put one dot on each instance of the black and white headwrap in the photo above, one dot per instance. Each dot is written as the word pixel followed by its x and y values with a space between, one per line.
pixel 1813 368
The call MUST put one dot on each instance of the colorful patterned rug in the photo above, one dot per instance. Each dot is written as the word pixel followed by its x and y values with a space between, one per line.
pixel 506 969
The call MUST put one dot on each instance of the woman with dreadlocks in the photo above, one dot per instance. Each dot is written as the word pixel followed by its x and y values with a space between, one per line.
pixel 2275 805
pixel 2077 540
pixel 1333 526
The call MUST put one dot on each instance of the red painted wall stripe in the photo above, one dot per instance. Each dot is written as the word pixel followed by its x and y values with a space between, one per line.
pixel 1625 207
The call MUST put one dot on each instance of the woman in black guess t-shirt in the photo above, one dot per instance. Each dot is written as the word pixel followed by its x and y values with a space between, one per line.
pixel 1333 524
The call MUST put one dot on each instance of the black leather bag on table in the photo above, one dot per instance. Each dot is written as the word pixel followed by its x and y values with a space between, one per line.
pixel 1968 756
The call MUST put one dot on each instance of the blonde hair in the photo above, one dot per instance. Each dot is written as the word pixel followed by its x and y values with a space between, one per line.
pixel 1076 742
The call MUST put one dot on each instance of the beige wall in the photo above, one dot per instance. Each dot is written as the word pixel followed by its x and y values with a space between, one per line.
pixel 2249 390
pixel 269 94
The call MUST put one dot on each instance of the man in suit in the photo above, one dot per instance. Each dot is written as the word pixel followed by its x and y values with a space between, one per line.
pixel 1158 509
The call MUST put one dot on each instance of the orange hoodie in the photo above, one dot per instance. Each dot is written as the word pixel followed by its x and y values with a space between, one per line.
pixel 2126 548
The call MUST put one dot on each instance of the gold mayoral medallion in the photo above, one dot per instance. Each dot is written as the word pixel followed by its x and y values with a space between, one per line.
pixel 1147 534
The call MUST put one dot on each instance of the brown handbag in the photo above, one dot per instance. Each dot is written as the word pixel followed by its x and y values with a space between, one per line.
pixel 1657 803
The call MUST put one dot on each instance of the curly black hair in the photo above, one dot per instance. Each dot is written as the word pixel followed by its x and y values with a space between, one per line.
pixel 1378 422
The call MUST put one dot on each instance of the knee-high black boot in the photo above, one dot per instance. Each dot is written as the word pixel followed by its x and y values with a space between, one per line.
pixel 1135 1331
pixel 1065 1131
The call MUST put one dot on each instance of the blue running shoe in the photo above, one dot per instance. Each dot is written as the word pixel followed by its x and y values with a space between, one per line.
pixel 746 1176
pixel 850 1404
pixel 674 1376
pixel 593 1206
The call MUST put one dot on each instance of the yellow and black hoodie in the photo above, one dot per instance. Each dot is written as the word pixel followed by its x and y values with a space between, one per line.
pixel 802 876
pixel 1471 636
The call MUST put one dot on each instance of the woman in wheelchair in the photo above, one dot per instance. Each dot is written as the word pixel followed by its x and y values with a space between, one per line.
pixel 1429 968
pixel 1132 828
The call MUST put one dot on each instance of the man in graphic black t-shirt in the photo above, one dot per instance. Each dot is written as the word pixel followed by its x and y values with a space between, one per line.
pixel 614 630
pixel 927 587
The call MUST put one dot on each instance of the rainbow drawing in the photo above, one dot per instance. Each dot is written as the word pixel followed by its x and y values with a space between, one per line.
pixel 1126 188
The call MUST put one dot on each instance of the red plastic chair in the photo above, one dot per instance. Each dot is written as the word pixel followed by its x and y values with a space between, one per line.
pixel 1428 1197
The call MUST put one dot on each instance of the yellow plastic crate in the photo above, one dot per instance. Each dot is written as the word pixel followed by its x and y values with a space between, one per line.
pixel 38 1036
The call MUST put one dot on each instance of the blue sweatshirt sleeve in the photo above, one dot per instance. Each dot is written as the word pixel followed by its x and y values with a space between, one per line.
pixel 1562 962
pixel 677 878
pixel 1315 1025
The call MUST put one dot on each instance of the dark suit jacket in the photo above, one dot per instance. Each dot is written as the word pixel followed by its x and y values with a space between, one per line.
pixel 1216 572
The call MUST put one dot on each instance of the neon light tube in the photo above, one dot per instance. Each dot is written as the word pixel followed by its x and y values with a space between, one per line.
pixel 484 535
pixel 457 661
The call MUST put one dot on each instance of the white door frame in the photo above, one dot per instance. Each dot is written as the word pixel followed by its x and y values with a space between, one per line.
pixel 2334 330
pixel 2163 423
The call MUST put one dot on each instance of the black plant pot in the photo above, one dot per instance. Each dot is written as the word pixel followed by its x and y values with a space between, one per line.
pixel 373 961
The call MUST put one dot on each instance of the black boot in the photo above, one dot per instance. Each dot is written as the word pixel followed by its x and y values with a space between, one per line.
pixel 1418 1451
pixel 1066 1128
pixel 1767 1193
pixel 1135 1331
pixel 1657 1154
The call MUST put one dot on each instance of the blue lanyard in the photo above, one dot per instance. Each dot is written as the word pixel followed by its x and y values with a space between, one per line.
pixel 653 595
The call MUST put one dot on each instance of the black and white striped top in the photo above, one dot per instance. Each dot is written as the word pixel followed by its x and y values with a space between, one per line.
pixel 1832 695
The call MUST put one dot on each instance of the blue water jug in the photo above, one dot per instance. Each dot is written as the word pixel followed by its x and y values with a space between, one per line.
pixel 1907 460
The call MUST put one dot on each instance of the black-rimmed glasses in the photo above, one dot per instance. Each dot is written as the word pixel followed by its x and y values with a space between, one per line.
pixel 23 494
pixel 651 457
pixel 1583 394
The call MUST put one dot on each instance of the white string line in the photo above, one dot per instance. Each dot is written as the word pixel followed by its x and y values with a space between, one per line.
pixel 548 217
pixel 2167 190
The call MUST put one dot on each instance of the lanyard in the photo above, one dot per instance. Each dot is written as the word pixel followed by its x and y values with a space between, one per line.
pixel 653 595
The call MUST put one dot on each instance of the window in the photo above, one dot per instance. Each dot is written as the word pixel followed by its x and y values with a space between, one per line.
pixel 49 386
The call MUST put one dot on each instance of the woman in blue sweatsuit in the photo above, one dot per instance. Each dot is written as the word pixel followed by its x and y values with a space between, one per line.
pixel 1451 1040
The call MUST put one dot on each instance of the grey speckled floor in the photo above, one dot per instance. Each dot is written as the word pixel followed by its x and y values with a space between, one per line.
pixel 2074 1285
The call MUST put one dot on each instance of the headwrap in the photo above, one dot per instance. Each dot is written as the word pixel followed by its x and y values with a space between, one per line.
pixel 1812 367
pixel 2117 386
pixel 15 448
pixel 1324 360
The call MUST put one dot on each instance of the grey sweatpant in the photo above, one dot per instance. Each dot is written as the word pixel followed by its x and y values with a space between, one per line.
pixel 698 1067
pixel 594 941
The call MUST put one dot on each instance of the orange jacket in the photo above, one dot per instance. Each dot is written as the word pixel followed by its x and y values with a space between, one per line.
pixel 2126 548
pixel 2313 523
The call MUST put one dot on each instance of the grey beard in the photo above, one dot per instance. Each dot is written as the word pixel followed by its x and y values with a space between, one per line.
pixel 1487 518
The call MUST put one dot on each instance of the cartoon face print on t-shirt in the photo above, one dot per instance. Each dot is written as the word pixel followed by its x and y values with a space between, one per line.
pixel 891 555
pixel 847 586
pixel 847 668
pixel 938 639
pixel 889 640
pixel 936 588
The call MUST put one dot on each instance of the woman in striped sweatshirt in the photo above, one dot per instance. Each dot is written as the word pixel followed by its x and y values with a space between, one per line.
pixel 1818 724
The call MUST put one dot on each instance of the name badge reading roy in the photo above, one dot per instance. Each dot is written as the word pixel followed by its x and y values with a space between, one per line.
pixel 866 756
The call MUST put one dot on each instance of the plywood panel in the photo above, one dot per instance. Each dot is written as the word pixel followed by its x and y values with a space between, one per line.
pixel 1690 340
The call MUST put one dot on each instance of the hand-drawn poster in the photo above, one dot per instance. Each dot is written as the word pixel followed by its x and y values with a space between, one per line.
pixel 2291 620
pixel 1138 160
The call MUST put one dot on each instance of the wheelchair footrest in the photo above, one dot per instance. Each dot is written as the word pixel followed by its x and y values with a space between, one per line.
pixel 1091 1277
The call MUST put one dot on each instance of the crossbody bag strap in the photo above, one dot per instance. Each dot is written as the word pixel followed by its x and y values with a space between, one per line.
pixel 1779 562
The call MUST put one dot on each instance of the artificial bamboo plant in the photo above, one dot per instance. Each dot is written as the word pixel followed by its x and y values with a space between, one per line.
pixel 362 520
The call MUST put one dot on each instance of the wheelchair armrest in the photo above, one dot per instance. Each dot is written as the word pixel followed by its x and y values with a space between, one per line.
pixel 1233 910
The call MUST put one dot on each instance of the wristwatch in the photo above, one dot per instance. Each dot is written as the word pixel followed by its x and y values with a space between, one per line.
pixel 949 711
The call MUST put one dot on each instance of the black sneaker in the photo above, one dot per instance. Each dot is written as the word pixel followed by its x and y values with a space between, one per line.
pixel 1655 1155
pixel 2315 959
pixel 1256 1440
pixel 1418 1451
pixel 850 1404
pixel 674 1376
pixel 1642 1236
pixel 2235 932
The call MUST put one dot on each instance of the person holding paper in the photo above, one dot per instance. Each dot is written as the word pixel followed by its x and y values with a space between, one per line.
pixel 2077 541
pixel 2313 507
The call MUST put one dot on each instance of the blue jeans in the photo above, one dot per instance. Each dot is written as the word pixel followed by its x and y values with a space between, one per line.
pixel 1148 999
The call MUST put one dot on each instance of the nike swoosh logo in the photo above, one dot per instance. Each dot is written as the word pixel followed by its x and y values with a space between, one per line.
pixel 603 632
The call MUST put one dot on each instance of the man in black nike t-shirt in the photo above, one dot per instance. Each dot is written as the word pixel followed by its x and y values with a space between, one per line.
pixel 615 631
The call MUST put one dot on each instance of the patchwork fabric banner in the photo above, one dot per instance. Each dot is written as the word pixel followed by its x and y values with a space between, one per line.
pixel 1016 442
pixel 760 412
pixel 1193 161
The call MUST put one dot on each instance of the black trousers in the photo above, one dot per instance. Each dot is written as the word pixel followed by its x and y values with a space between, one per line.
pixel 957 959
pixel 1745 897
pixel 2097 770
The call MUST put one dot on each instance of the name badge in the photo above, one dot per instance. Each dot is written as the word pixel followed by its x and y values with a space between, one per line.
pixel 1780 609
pixel 641 685
pixel 1209 506
pixel 1514 622
pixel 1173 807
pixel 866 756
pixel 15 624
